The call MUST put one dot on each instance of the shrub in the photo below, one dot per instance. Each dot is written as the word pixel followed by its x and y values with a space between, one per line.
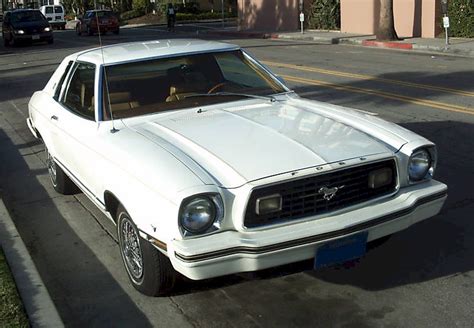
pixel 131 14
pixel 324 15
pixel 461 18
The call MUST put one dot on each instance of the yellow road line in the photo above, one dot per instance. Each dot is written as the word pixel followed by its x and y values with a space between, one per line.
pixel 411 100
pixel 369 77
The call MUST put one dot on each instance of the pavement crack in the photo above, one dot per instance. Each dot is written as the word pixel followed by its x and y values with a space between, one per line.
pixel 190 320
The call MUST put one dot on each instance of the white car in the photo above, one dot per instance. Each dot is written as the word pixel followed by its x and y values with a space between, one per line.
pixel 209 165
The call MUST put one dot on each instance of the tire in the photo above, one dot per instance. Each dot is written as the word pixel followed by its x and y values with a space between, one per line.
pixel 78 30
pixel 63 27
pixel 50 41
pixel 12 40
pixel 156 275
pixel 6 42
pixel 60 181
pixel 117 31
pixel 89 31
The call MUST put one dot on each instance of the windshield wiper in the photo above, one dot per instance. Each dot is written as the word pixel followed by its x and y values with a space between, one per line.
pixel 271 98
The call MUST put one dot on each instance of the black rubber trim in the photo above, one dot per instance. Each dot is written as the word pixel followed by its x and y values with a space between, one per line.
pixel 311 239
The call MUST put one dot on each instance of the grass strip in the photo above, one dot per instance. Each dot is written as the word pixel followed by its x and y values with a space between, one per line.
pixel 12 313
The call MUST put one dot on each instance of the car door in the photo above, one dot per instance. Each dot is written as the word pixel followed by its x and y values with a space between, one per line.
pixel 77 125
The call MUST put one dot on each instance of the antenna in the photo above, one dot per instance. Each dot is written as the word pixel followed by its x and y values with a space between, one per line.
pixel 106 80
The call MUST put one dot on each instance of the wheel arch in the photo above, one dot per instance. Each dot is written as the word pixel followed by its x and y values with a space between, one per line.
pixel 112 203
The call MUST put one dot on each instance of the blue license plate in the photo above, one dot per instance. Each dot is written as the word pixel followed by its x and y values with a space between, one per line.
pixel 341 250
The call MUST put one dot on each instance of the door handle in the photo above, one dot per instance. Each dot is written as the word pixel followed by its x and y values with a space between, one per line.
pixel 54 117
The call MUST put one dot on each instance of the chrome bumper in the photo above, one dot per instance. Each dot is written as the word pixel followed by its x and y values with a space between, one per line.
pixel 239 251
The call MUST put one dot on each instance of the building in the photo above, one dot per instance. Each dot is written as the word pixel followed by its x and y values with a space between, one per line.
pixel 413 18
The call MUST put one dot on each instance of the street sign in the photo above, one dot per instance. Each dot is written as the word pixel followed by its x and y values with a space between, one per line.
pixel 446 22
pixel 301 17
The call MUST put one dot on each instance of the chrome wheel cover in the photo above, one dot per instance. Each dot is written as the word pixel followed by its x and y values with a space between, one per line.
pixel 51 165
pixel 130 248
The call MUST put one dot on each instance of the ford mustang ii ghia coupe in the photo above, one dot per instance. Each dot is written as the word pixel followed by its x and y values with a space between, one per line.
pixel 209 165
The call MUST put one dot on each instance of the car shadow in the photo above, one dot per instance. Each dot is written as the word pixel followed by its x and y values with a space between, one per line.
pixel 81 287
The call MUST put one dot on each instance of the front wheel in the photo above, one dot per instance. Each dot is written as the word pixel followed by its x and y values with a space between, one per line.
pixel 60 181
pixel 117 31
pixel 6 42
pixel 150 272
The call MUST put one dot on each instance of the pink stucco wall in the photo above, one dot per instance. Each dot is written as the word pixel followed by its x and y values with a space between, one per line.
pixel 268 15
pixel 413 18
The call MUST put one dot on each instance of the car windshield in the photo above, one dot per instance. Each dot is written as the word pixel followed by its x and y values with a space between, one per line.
pixel 27 16
pixel 104 14
pixel 157 85
pixel 58 9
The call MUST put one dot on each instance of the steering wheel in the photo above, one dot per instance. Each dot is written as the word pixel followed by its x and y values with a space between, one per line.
pixel 217 86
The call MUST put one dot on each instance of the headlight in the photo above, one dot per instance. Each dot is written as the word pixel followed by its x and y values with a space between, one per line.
pixel 47 29
pixel 419 164
pixel 199 213
pixel 19 32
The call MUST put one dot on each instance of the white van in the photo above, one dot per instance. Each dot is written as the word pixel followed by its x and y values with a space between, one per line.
pixel 55 15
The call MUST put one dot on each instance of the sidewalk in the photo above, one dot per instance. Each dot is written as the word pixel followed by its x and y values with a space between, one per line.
pixel 457 46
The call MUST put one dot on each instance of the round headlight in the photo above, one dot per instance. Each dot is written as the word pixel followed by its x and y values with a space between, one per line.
pixel 198 214
pixel 419 165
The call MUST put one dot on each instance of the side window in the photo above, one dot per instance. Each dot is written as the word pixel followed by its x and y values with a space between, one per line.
pixel 57 91
pixel 49 10
pixel 79 97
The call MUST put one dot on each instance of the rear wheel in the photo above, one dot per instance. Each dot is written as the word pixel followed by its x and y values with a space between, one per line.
pixel 150 272
pixel 89 31
pixel 78 29
pixel 60 181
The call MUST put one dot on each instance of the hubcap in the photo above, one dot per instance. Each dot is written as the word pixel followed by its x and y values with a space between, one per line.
pixel 51 167
pixel 131 251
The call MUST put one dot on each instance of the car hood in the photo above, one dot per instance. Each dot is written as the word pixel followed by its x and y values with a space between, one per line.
pixel 258 139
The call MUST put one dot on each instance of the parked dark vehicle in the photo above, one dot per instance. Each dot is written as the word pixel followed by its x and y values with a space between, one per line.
pixel 25 25
pixel 94 21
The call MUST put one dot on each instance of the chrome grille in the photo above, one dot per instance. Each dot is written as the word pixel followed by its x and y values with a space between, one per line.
pixel 301 197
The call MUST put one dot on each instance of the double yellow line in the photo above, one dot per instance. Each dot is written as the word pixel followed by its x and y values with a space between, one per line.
pixel 411 100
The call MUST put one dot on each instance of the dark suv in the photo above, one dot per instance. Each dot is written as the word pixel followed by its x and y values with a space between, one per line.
pixel 25 25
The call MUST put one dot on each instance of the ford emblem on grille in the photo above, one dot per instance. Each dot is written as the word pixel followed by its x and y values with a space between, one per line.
pixel 329 193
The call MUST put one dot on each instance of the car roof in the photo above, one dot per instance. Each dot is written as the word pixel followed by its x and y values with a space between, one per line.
pixel 137 51
pixel 21 10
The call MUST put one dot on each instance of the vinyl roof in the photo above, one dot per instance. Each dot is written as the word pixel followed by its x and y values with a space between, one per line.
pixel 135 51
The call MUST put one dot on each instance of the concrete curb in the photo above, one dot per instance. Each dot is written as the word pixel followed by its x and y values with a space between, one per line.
pixel 39 307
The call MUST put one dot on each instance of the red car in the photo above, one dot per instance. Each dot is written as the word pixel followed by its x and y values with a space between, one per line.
pixel 98 20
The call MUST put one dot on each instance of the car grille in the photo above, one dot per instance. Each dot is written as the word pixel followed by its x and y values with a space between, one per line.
pixel 301 197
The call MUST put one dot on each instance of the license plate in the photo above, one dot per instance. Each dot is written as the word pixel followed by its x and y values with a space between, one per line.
pixel 341 250
pixel 35 37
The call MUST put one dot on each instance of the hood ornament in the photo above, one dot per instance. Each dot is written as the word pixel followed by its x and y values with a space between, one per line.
pixel 329 193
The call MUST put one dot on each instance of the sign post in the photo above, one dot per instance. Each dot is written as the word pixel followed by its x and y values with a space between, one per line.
pixel 301 15
pixel 301 22
pixel 444 9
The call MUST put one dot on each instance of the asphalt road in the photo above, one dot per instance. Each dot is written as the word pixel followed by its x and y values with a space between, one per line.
pixel 421 277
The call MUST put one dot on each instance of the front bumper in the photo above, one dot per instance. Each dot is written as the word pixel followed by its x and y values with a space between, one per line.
pixel 40 37
pixel 239 251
